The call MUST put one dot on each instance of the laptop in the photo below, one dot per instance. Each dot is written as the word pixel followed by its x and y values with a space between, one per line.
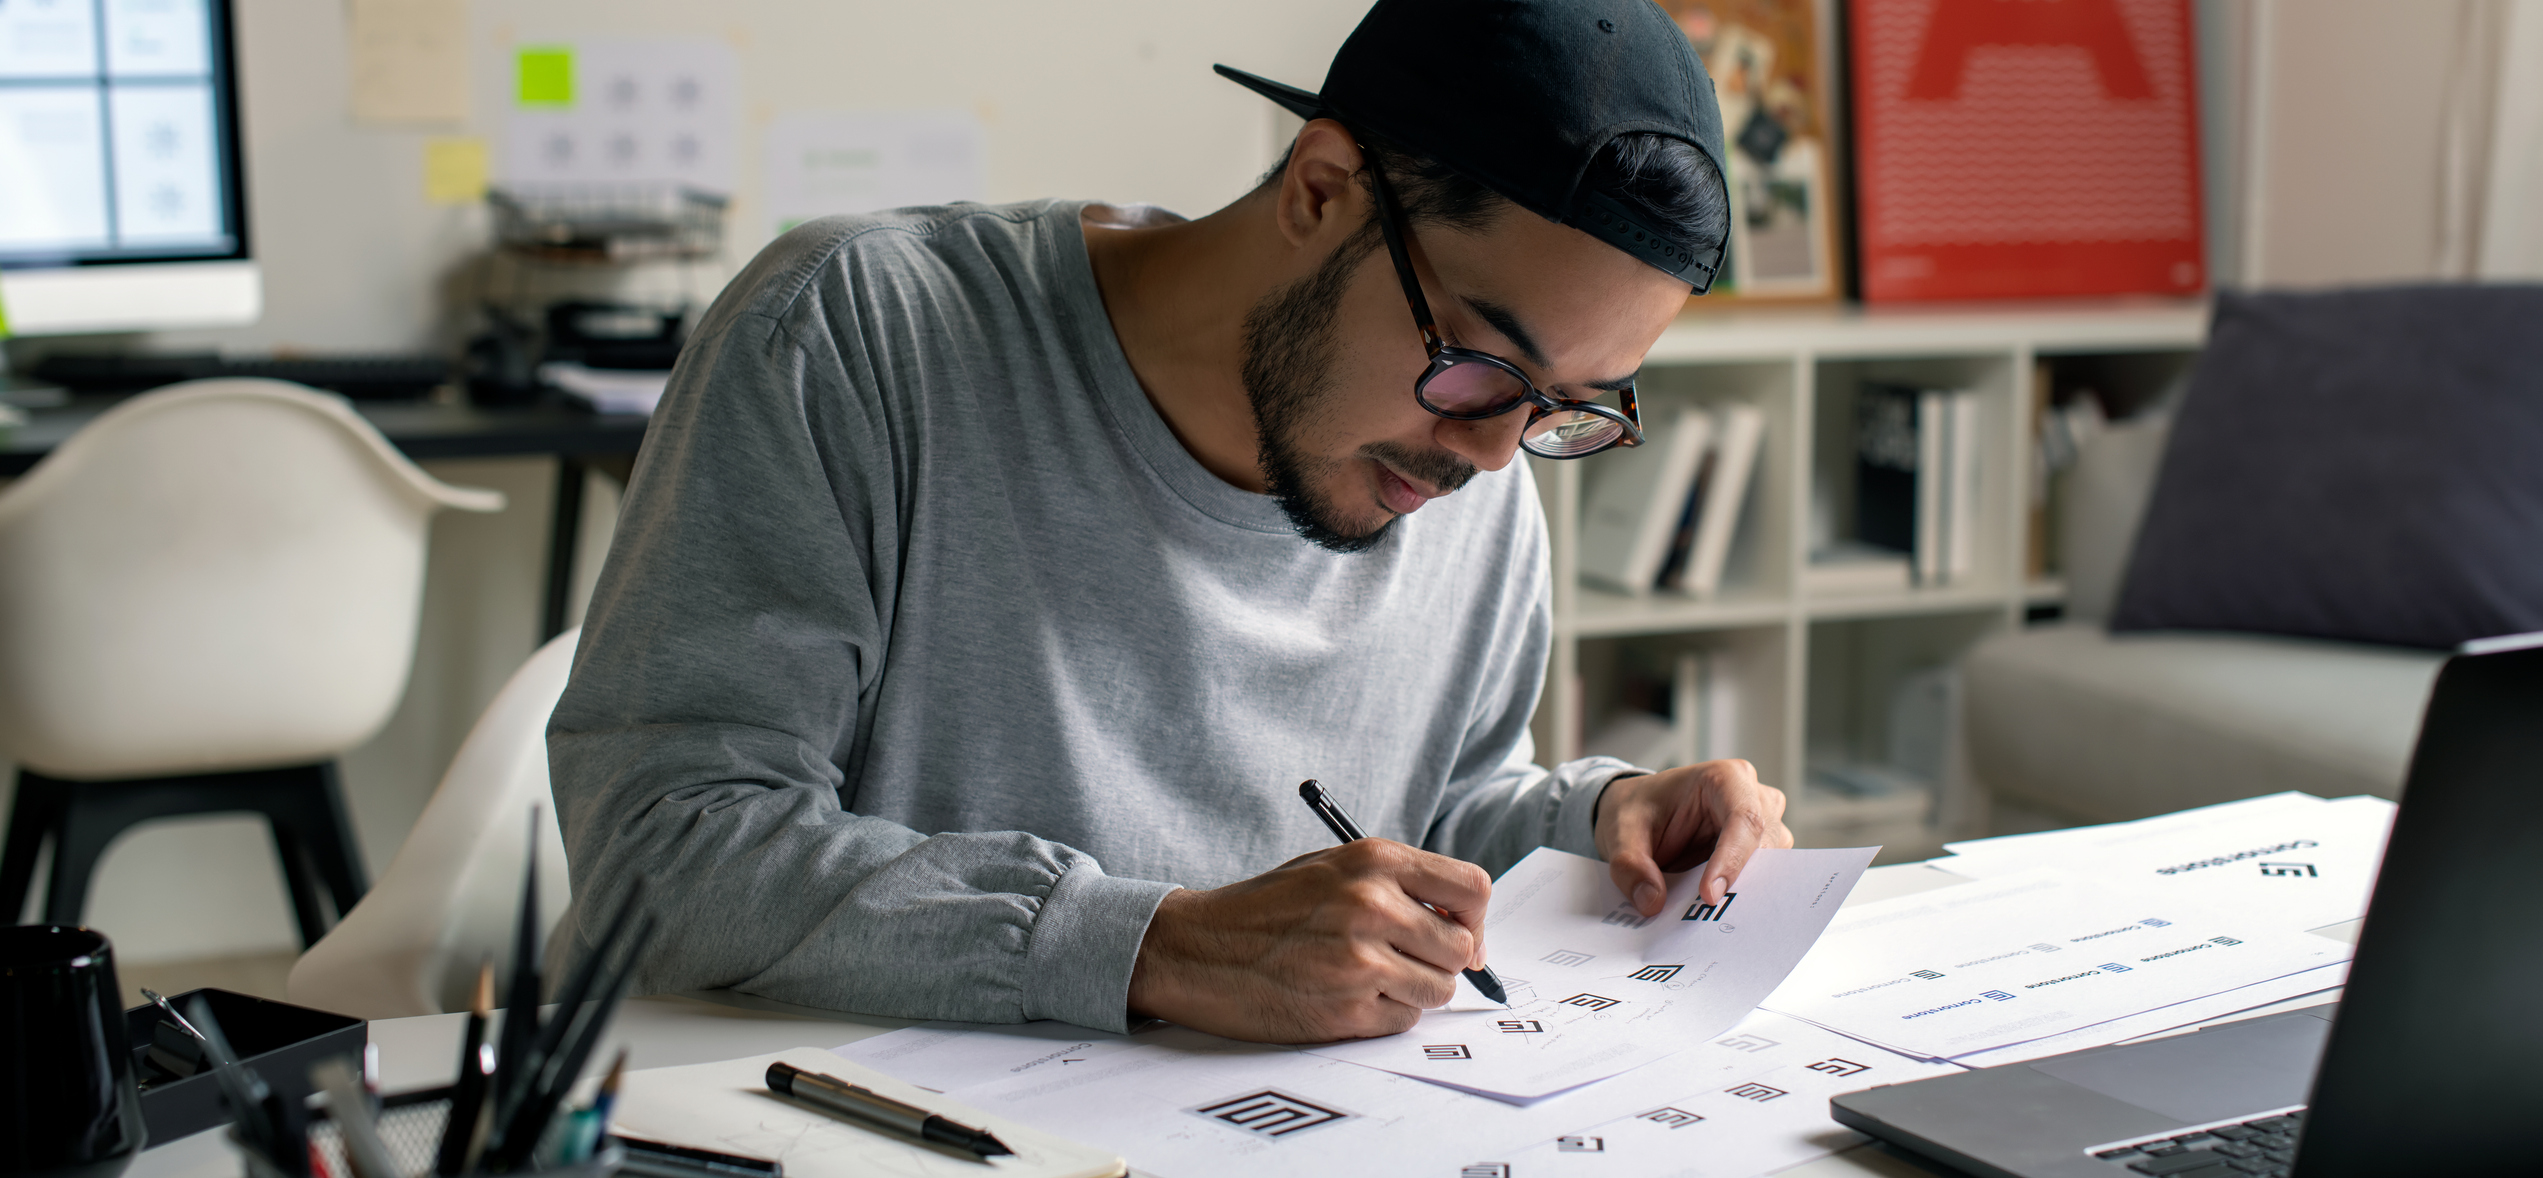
pixel 2431 1063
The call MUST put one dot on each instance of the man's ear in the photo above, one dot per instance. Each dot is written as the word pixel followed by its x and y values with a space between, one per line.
pixel 1320 201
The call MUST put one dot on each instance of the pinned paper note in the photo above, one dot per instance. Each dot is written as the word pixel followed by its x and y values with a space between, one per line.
pixel 455 170
pixel 620 111
pixel 409 60
pixel 823 163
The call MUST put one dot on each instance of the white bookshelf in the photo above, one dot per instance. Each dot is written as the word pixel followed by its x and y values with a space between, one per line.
pixel 1815 672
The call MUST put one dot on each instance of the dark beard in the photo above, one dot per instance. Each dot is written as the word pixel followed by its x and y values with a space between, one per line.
pixel 1287 373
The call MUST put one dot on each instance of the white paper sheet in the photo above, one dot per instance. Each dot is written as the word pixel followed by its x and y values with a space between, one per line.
pixel 2302 861
pixel 1961 970
pixel 1178 1103
pixel 2322 982
pixel 818 163
pixel 1597 989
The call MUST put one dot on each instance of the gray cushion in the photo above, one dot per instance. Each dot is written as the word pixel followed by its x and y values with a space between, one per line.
pixel 2106 727
pixel 2358 465
pixel 2101 506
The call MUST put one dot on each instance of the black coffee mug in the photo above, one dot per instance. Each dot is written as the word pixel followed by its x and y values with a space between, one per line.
pixel 68 1105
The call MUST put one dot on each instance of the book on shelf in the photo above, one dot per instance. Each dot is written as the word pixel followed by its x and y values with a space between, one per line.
pixel 1711 516
pixel 1700 723
pixel 1850 568
pixel 1635 501
pixel 1917 463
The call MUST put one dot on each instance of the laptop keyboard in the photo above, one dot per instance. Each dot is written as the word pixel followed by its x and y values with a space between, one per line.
pixel 2263 1147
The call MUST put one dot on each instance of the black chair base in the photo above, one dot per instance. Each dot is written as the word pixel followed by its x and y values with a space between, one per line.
pixel 302 804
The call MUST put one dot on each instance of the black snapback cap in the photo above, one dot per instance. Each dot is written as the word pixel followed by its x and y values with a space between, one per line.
pixel 1519 95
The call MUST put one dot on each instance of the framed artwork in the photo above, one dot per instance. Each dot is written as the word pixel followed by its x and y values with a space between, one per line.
pixel 1772 62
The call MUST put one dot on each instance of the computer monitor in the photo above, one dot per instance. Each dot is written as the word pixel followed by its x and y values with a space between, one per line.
pixel 122 200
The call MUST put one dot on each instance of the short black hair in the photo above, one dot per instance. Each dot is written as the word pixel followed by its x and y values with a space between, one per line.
pixel 1663 178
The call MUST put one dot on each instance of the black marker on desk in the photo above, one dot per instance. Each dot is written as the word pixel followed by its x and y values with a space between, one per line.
pixel 1348 831
pixel 841 1099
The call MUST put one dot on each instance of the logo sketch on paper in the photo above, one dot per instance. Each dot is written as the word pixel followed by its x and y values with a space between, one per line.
pixel 2114 967
pixel 1840 1067
pixel 1567 957
pixel 1998 995
pixel 1657 973
pixel 1486 1170
pixel 1624 916
pixel 2150 922
pixel 2223 941
pixel 2045 947
pixel 1446 1051
pixel 1592 1001
pixel 2296 869
pixel 1927 974
pixel 1520 1026
pixel 1750 1043
pixel 1710 911
pixel 1270 1113
pixel 1675 1118
pixel 1579 1144
pixel 1756 1091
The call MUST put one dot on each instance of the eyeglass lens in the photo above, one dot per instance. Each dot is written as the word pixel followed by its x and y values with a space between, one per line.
pixel 1562 433
pixel 1473 387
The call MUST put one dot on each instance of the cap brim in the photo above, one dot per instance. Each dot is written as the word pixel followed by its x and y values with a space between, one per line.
pixel 1303 103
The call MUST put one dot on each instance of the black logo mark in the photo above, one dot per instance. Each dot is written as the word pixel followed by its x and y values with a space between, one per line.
pixel 1710 911
pixel 1625 917
pixel 1675 1118
pixel 1568 957
pixel 1657 973
pixel 1520 1026
pixel 1446 1051
pixel 1750 1043
pixel 2299 869
pixel 1840 1067
pixel 1270 1113
pixel 1579 1144
pixel 1592 1001
pixel 1757 1092
pixel 1486 1170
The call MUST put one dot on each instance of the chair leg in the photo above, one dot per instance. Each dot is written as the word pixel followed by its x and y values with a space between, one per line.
pixel 34 812
pixel 80 839
pixel 313 836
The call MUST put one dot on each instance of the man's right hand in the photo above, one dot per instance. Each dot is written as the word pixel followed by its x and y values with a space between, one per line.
pixel 1330 945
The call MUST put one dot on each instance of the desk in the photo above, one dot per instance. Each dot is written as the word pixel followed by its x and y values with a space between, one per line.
pixel 425 431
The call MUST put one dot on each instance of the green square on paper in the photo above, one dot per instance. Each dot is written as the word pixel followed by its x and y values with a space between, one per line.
pixel 547 76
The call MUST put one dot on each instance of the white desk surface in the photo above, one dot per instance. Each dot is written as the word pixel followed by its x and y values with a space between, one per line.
pixel 671 1030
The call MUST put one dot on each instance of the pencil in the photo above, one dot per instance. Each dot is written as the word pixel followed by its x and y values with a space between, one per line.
pixel 462 1134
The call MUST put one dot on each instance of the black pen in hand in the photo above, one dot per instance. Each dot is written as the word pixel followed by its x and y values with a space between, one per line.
pixel 1348 831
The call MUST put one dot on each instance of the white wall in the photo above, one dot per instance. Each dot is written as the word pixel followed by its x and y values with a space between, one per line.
pixel 1114 101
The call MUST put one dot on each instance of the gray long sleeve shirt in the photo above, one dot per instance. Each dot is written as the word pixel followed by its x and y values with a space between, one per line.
pixel 926 660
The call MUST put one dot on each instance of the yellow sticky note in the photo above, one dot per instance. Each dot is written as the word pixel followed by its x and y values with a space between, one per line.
pixel 546 75
pixel 454 170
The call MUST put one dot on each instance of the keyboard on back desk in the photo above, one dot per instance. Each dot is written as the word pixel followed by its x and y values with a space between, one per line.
pixel 2262 1147
pixel 361 377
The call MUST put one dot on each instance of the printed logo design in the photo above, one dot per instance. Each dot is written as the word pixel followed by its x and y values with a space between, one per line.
pixel 1567 957
pixel 1486 1170
pixel 1756 1091
pixel 1840 1067
pixel 2223 941
pixel 1750 1043
pixel 1446 1051
pixel 1675 1118
pixel 2113 967
pixel 1578 1144
pixel 1625 917
pixel 1270 1113
pixel 2150 922
pixel 1927 974
pixel 1710 911
pixel 2298 869
pixel 1998 995
pixel 1520 1026
pixel 1656 973
pixel 2045 948
pixel 1592 1001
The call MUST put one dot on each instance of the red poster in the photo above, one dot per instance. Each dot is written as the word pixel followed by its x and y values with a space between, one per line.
pixel 2021 148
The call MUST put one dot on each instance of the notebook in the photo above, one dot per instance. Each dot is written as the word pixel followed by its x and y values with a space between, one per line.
pixel 727 1107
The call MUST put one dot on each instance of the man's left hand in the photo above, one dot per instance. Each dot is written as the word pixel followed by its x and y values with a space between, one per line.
pixel 1678 818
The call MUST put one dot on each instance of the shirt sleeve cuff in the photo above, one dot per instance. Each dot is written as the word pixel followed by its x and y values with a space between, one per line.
pixel 1085 941
pixel 1575 823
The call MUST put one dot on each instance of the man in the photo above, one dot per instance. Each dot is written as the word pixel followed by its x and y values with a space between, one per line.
pixel 993 575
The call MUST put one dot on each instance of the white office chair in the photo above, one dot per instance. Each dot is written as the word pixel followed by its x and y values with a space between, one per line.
pixel 206 596
pixel 451 896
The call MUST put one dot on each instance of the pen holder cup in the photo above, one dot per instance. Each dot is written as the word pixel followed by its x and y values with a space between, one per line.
pixel 410 1125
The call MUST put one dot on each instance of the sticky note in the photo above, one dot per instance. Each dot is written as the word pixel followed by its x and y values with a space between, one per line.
pixel 546 75
pixel 454 170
